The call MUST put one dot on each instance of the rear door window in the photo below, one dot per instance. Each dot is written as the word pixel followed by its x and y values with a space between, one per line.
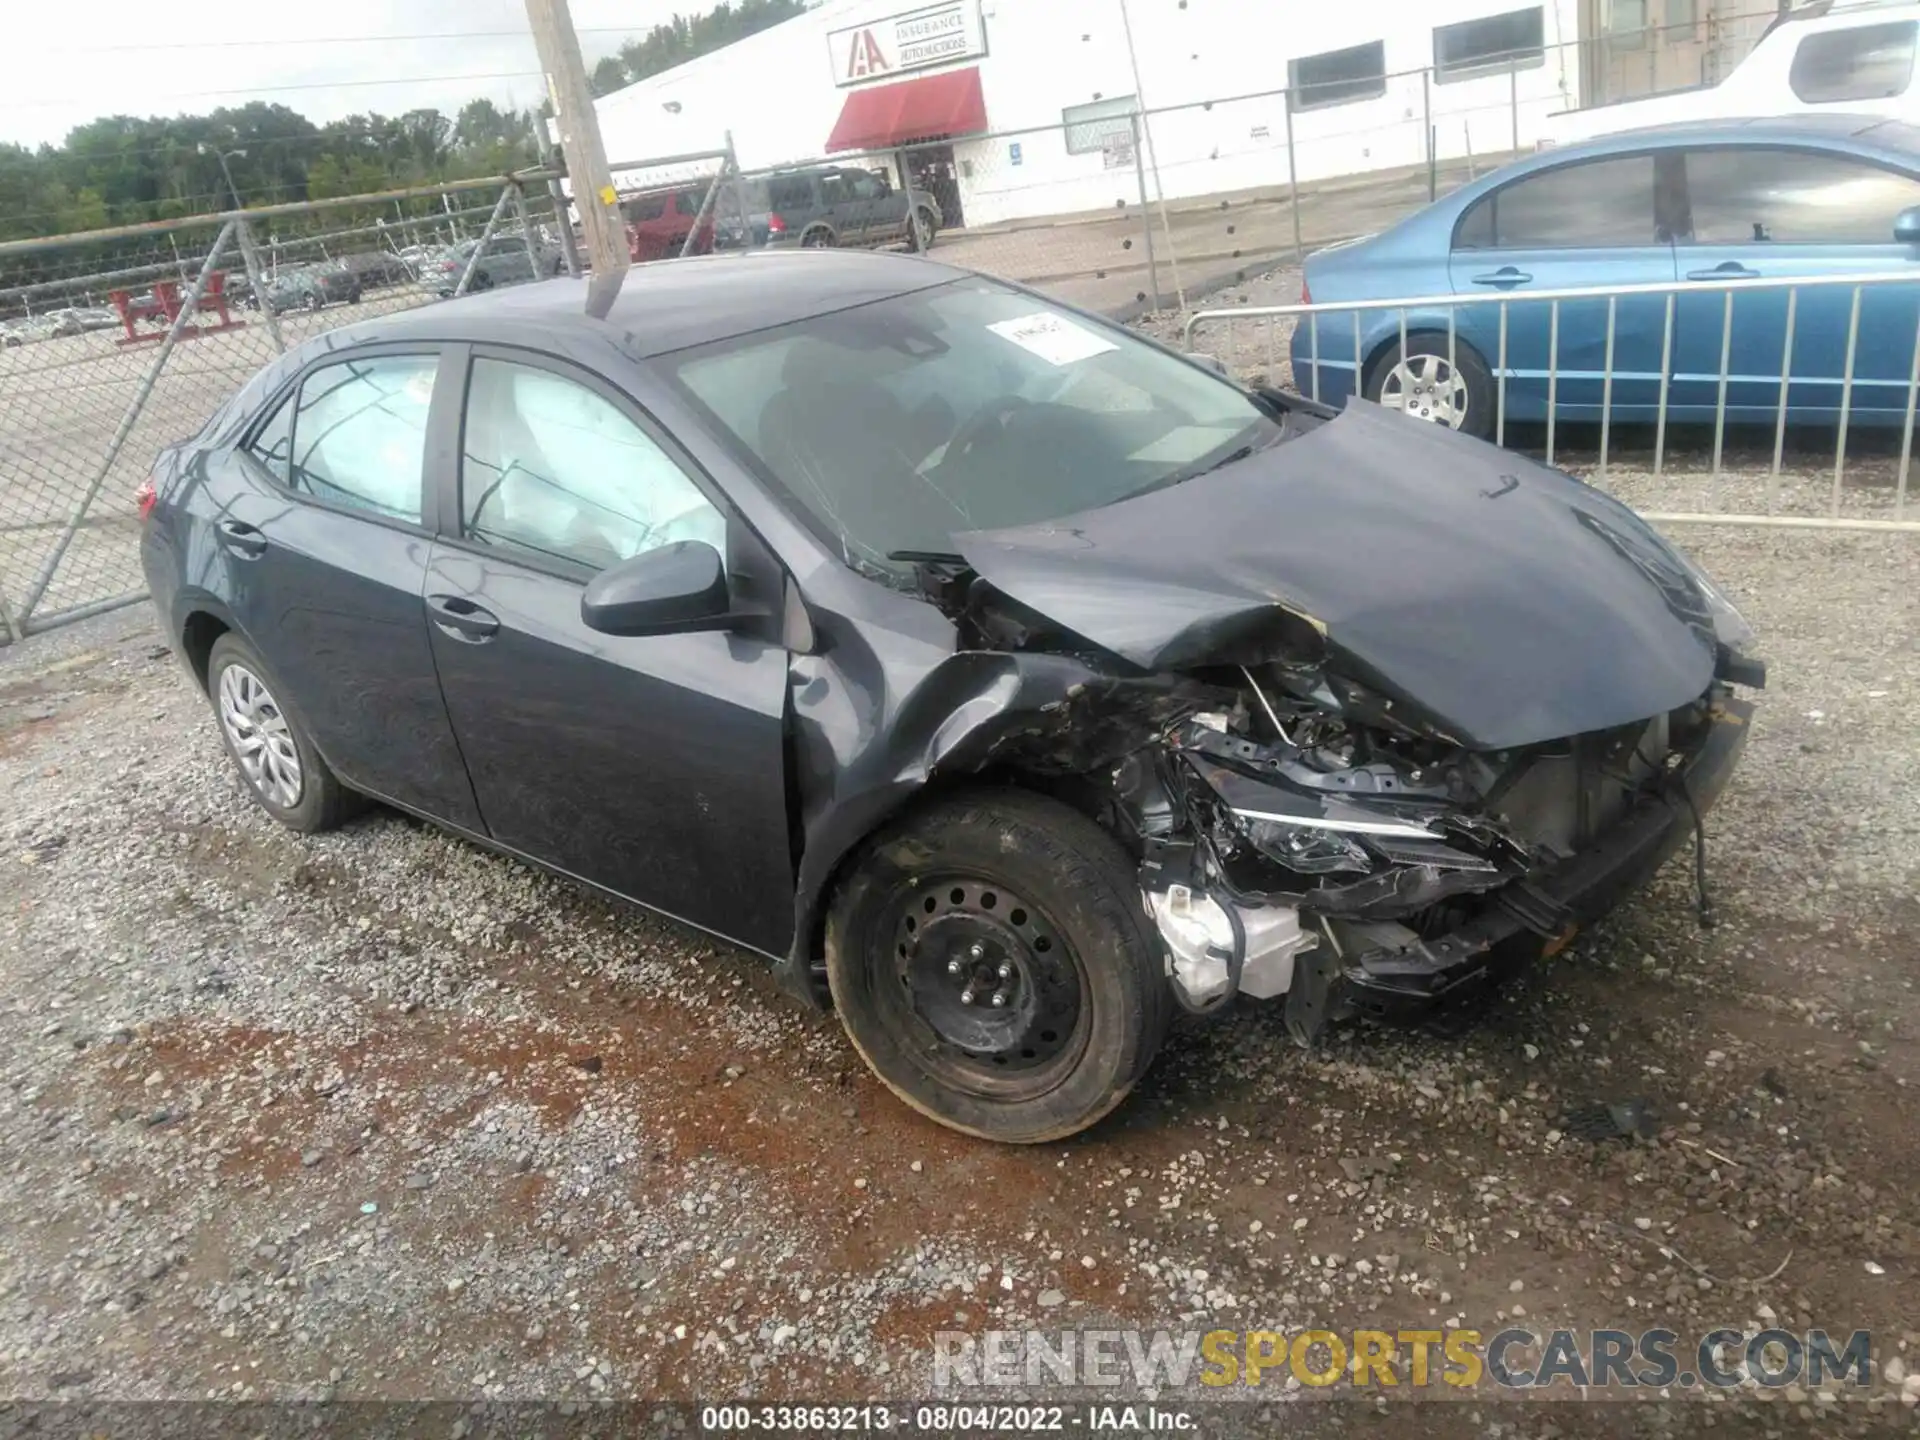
pixel 1756 196
pixel 1594 203
pixel 360 433
pixel 273 443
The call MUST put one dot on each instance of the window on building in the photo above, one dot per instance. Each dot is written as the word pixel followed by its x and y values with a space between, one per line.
pixel 1597 203
pixel 1740 197
pixel 1491 43
pixel 1867 62
pixel 360 434
pixel 1097 126
pixel 1337 77
pixel 1627 24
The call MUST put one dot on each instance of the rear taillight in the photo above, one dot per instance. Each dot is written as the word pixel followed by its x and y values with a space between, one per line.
pixel 145 497
pixel 1306 295
pixel 776 225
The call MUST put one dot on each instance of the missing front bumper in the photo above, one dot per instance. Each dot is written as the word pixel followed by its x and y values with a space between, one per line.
pixel 1384 971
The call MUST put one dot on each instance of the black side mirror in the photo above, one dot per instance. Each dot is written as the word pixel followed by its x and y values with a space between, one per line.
pixel 671 590
pixel 1906 226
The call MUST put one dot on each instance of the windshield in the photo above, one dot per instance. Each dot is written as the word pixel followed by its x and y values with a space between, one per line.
pixel 895 425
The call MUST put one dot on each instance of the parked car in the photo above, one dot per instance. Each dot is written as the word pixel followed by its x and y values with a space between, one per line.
pixel 71 320
pixel 659 223
pixel 374 269
pixel 822 206
pixel 1744 199
pixel 504 261
pixel 309 287
pixel 1005 679
pixel 1821 59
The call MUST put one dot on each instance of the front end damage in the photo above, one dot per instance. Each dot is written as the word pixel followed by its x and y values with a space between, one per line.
pixel 1297 839
pixel 1379 711
pixel 1354 870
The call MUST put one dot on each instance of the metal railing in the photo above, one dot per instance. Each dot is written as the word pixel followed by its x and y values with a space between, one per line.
pixel 1349 347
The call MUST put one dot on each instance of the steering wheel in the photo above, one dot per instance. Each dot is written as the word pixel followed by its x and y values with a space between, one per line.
pixel 989 417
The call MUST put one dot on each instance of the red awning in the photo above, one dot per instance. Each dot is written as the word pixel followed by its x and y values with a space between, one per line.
pixel 884 116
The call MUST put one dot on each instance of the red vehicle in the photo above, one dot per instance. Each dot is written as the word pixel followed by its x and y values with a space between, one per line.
pixel 659 222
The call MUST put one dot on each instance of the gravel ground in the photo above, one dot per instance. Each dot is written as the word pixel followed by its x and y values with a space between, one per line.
pixel 378 1114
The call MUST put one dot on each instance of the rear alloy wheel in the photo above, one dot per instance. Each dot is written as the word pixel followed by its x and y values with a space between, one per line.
pixel 268 744
pixel 923 229
pixel 991 961
pixel 1425 383
pixel 818 238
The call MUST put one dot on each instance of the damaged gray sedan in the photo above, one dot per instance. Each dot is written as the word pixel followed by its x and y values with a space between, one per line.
pixel 1008 681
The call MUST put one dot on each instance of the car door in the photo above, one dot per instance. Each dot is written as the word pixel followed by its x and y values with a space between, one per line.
pixel 1776 213
pixel 653 766
pixel 883 209
pixel 1590 223
pixel 323 532
pixel 845 211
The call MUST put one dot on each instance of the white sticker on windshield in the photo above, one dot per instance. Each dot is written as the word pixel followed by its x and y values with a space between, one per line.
pixel 1054 338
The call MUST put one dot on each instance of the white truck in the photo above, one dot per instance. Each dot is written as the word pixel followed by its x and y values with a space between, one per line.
pixel 1858 60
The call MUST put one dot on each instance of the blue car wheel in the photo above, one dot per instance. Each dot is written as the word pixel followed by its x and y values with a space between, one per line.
pixel 1425 383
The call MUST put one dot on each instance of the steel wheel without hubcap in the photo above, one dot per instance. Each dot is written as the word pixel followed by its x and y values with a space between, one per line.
pixel 261 740
pixel 1427 387
pixel 994 997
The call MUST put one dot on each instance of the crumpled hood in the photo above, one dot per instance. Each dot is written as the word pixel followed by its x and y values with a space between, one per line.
pixel 1505 602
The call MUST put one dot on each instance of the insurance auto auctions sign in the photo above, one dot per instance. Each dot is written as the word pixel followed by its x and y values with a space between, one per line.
pixel 881 49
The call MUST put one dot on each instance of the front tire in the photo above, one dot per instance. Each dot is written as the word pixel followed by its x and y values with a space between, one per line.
pixel 269 745
pixel 991 960
pixel 818 238
pixel 1458 394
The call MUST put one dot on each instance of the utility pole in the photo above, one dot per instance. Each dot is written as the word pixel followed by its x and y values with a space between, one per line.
pixel 593 194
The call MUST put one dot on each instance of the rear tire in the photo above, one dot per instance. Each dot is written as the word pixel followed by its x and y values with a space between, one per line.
pixel 818 238
pixel 1461 396
pixel 269 744
pixel 925 227
pixel 992 963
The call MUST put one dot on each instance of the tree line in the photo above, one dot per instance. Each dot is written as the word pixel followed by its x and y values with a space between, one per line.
pixel 127 170
pixel 687 37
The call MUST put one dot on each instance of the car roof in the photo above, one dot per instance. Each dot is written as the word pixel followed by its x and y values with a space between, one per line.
pixel 1870 132
pixel 674 304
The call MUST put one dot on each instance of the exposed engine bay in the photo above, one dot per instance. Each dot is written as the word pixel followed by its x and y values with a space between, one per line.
pixel 1298 838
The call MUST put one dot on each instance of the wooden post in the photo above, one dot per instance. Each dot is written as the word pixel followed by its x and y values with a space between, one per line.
pixel 593 194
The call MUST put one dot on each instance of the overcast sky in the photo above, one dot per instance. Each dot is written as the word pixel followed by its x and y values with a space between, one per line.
pixel 70 61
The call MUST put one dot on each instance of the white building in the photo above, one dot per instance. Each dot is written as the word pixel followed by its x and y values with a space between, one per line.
pixel 1036 97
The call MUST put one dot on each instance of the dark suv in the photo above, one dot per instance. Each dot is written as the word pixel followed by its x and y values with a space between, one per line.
pixel 826 205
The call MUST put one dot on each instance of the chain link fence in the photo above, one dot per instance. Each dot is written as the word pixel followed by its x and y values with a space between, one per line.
pixel 121 342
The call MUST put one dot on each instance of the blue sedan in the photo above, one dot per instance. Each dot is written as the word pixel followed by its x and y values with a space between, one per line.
pixel 1755 200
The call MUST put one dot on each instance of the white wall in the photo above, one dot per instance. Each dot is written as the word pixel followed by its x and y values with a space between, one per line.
pixel 776 94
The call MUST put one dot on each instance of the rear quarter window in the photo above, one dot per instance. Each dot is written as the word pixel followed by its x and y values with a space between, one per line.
pixel 1866 62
